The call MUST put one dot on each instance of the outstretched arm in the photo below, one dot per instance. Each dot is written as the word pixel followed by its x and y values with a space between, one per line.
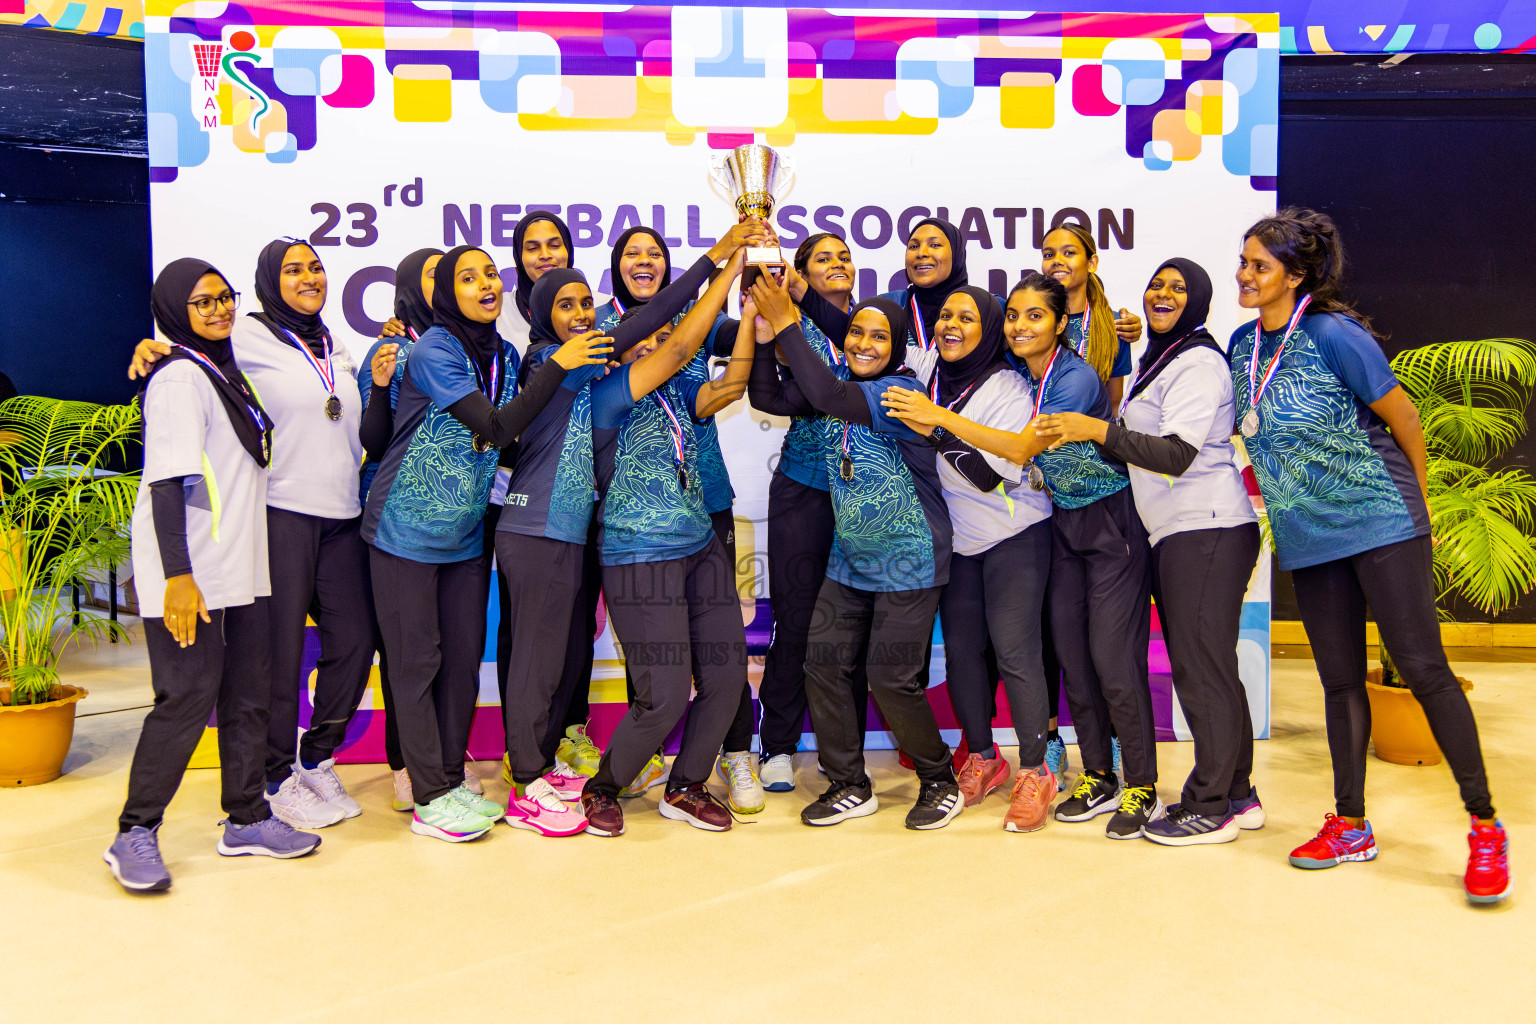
pixel 503 426
pixel 654 369
pixel 828 395
pixel 731 385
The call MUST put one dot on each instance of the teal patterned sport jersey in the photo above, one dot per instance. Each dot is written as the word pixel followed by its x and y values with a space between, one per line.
pixel 1076 474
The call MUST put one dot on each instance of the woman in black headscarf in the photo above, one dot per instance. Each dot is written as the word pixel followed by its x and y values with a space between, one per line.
pixel 199 555
pixel 1174 433
pixel 540 242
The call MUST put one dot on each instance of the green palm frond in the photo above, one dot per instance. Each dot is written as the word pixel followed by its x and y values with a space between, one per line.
pixel 1471 395
pixel 1482 522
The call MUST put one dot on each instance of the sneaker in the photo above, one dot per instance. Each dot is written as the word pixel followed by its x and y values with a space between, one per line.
pixel 270 837
pixel 604 815
pixel 1184 827
pixel 1056 761
pixel 403 801
pixel 477 804
pixel 1248 811
pixel 961 753
pixel 841 801
pixel 978 777
pixel 472 782
pixel 778 774
pixel 134 858
pixel 1487 879
pixel 1337 842
pixel 740 773
pixel 1092 797
pixel 538 809
pixel 448 819
pixel 697 806
pixel 654 773
pixel 1030 804
pixel 301 806
pixel 1114 757
pixel 566 783
pixel 1138 805
pixel 938 801
pixel 324 781
pixel 579 752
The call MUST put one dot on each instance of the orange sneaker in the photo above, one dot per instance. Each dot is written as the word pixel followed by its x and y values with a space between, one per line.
pixel 978 777
pixel 1033 791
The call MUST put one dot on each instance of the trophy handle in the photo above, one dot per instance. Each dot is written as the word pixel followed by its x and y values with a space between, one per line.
pixel 719 177
pixel 787 183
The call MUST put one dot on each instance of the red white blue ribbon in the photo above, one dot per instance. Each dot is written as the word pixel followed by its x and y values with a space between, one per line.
pixel 1140 372
pixel 212 367
pixel 1256 388
pixel 618 307
pixel 1044 378
pixel 325 371
pixel 492 393
pixel 918 328
pixel 675 428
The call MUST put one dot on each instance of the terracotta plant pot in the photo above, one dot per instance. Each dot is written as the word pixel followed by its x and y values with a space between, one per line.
pixel 1399 730
pixel 34 738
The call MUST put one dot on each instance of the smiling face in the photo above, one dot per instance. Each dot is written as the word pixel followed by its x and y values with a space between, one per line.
pixel 647 346
pixel 427 281
pixel 929 257
pixel 1165 300
pixel 1262 280
pixel 301 279
pixel 1029 324
pixel 477 287
pixel 868 345
pixel 1064 257
pixel 958 330
pixel 221 317
pixel 641 265
pixel 572 312
pixel 543 249
pixel 830 268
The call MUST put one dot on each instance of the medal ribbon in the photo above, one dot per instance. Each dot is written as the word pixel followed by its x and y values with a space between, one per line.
pixel 1255 388
pixel 202 360
pixel 1082 342
pixel 918 328
pixel 493 393
pixel 618 307
pixel 325 371
pixel 675 428
pixel 1160 360
pixel 1044 378
pixel 933 390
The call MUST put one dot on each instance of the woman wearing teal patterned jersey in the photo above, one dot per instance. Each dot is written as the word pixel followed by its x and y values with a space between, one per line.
pixel 1339 455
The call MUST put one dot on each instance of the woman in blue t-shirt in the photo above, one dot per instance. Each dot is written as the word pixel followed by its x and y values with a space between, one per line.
pixel 1339 454
pixel 459 405
pixel 889 561
pixel 1100 585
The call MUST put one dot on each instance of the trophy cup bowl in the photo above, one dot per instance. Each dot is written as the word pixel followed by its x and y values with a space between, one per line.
pixel 755 178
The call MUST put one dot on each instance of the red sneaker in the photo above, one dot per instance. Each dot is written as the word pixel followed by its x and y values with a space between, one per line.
pixel 961 753
pixel 1487 878
pixel 1339 841
pixel 978 777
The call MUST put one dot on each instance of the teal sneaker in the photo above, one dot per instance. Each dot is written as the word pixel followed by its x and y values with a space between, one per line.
pixel 448 819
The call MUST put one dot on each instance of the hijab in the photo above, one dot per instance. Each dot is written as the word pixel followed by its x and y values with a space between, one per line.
pixel 411 305
pixel 480 340
pixel 957 377
pixel 1188 331
pixel 897 318
pixel 524 282
pixel 620 289
pixel 541 325
pixel 168 301
pixel 275 311
pixel 931 300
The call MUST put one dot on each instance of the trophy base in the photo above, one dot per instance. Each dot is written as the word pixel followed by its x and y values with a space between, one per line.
pixel 766 256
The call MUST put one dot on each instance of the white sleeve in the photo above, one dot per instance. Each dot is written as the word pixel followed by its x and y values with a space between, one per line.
pixel 1002 403
pixel 175 423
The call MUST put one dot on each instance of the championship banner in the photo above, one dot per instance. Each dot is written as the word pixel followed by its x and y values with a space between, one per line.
pixel 372 129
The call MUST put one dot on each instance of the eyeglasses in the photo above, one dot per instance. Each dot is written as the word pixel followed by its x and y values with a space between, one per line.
pixel 205 306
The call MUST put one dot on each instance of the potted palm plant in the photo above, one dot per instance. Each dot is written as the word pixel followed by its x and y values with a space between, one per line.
pixel 1472 398
pixel 63 520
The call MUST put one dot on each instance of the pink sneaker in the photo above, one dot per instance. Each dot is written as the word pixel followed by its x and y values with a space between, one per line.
pixel 540 810
pixel 566 783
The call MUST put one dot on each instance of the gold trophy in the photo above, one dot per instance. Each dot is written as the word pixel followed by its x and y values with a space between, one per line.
pixel 755 178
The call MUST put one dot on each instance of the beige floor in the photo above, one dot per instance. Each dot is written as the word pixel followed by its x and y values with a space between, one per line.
pixel 863 922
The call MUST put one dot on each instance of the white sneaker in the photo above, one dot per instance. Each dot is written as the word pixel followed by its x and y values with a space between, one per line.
pixel 778 774
pixel 300 806
pixel 403 800
pixel 472 781
pixel 323 780
pixel 739 769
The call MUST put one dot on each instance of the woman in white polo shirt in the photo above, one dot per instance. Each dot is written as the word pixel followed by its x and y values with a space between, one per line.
pixel 1174 434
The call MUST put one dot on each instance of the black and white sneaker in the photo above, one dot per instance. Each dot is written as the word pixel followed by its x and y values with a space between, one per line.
pixel 938 801
pixel 1092 796
pixel 841 801
pixel 1138 806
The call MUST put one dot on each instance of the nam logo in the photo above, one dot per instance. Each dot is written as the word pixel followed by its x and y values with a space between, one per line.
pixel 211 60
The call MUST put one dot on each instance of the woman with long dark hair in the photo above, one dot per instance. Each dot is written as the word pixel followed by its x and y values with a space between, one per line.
pixel 1339 455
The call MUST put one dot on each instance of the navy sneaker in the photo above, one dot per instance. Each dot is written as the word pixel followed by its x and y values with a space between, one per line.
pixel 270 837
pixel 1248 811
pixel 134 858
pixel 1184 827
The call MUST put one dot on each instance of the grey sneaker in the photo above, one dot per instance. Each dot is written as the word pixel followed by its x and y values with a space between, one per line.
pixel 324 781
pixel 301 805
pixel 270 837
pixel 778 774
pixel 134 858
pixel 1248 811
pixel 1183 827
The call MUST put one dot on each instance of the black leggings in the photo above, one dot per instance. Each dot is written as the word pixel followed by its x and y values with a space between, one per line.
pixel 997 596
pixel 1397 582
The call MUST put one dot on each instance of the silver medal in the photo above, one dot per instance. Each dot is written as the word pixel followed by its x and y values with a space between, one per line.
pixel 1251 423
